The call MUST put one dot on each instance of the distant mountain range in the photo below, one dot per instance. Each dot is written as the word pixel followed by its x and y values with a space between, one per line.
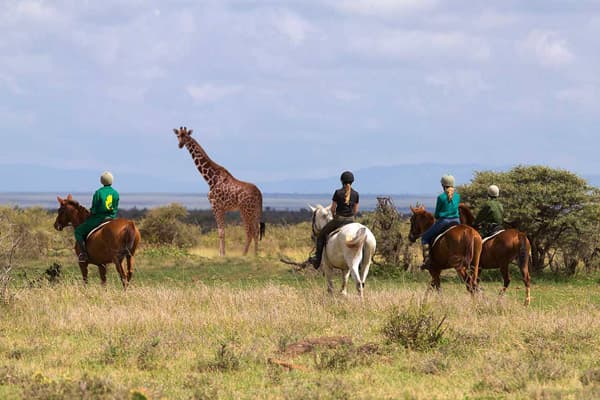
pixel 421 179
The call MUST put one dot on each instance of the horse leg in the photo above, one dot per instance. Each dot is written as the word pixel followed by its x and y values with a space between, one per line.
pixel 130 266
pixel 102 271
pixel 505 277
pixel 345 279
pixel 119 265
pixel 435 279
pixel 327 270
pixel 83 266
pixel 354 270
pixel 462 273
pixel 527 281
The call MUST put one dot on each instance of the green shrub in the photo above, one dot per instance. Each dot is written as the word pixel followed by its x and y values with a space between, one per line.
pixel 416 327
pixel 166 226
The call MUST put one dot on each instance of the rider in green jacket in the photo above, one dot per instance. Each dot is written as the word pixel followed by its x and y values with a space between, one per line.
pixel 105 205
pixel 491 215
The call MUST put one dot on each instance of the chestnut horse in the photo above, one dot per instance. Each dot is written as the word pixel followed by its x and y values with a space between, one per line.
pixel 459 248
pixel 501 249
pixel 112 243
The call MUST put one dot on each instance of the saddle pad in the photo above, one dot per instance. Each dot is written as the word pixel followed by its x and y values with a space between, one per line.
pixel 97 228
pixel 442 234
pixel 492 236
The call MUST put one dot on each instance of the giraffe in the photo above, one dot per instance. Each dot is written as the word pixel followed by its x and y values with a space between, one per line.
pixel 226 193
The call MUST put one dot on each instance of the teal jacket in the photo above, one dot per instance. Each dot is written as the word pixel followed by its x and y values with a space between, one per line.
pixel 105 203
pixel 445 208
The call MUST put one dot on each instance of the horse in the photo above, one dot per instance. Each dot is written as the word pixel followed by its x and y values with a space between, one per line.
pixel 500 250
pixel 458 248
pixel 349 249
pixel 113 242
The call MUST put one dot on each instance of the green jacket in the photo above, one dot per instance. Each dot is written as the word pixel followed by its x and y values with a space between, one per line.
pixel 491 213
pixel 445 208
pixel 105 203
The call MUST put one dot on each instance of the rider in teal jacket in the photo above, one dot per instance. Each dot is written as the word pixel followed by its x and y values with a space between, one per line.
pixel 105 205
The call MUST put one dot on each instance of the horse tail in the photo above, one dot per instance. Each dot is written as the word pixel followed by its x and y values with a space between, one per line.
pixel 523 252
pixel 468 240
pixel 358 238
pixel 129 238
pixel 261 230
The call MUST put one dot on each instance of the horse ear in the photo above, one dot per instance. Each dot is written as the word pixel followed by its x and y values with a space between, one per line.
pixel 176 131
pixel 412 208
pixel 313 209
pixel 69 197
pixel 60 201
pixel 190 132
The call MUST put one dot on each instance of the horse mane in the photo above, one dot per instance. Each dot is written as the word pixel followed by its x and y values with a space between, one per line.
pixel 81 209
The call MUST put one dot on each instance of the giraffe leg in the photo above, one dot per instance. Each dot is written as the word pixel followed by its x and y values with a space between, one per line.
pixel 252 227
pixel 220 217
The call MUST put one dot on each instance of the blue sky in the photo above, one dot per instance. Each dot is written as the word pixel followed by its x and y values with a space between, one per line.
pixel 289 89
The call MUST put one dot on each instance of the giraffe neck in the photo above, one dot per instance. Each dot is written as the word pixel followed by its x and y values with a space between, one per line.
pixel 209 169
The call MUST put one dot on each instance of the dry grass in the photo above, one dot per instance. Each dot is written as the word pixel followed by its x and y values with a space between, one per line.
pixel 193 326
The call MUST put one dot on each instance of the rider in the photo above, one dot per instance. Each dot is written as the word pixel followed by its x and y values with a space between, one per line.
pixel 446 214
pixel 105 205
pixel 489 219
pixel 344 206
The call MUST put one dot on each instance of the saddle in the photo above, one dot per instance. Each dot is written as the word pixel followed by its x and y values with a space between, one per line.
pixel 492 235
pixel 97 229
pixel 438 237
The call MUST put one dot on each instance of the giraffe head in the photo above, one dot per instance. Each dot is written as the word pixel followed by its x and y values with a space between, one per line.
pixel 183 135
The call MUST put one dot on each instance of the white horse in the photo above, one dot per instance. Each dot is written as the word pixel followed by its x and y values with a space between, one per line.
pixel 350 249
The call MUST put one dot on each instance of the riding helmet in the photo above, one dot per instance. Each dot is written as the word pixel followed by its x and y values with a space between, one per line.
pixel 447 181
pixel 106 178
pixel 347 177
pixel 493 191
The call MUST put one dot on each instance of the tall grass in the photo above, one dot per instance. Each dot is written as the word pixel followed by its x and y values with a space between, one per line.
pixel 196 326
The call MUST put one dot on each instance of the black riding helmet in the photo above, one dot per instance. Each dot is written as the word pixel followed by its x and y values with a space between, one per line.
pixel 347 177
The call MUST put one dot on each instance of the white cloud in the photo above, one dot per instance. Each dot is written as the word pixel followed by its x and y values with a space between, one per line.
pixel 384 8
pixel 292 26
pixel 208 92
pixel 469 83
pixel 11 84
pixel 346 96
pixel 549 49
pixel 585 97
pixel 419 44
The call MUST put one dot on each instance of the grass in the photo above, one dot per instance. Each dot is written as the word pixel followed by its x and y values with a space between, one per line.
pixel 195 326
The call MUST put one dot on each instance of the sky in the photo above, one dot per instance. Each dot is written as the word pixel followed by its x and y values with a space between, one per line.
pixel 278 90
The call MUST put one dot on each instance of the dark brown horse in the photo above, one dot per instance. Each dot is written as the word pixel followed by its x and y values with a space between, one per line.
pixel 112 243
pixel 458 249
pixel 501 250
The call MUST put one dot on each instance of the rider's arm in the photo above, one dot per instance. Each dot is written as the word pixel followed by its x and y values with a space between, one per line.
pixel 355 209
pixel 333 208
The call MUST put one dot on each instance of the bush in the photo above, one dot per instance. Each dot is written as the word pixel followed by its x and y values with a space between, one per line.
pixel 166 226
pixel 415 327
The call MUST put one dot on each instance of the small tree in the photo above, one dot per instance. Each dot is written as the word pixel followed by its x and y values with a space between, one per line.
pixel 553 207
pixel 164 225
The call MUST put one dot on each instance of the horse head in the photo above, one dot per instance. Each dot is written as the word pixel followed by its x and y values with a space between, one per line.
pixel 70 213
pixel 420 221
pixel 321 216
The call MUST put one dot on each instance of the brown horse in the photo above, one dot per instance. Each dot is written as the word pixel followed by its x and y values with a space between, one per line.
pixel 112 243
pixel 501 250
pixel 458 249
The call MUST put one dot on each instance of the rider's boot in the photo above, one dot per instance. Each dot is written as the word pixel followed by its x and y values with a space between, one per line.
pixel 83 255
pixel 426 257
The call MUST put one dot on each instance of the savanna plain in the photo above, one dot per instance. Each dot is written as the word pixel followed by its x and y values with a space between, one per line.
pixel 193 325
